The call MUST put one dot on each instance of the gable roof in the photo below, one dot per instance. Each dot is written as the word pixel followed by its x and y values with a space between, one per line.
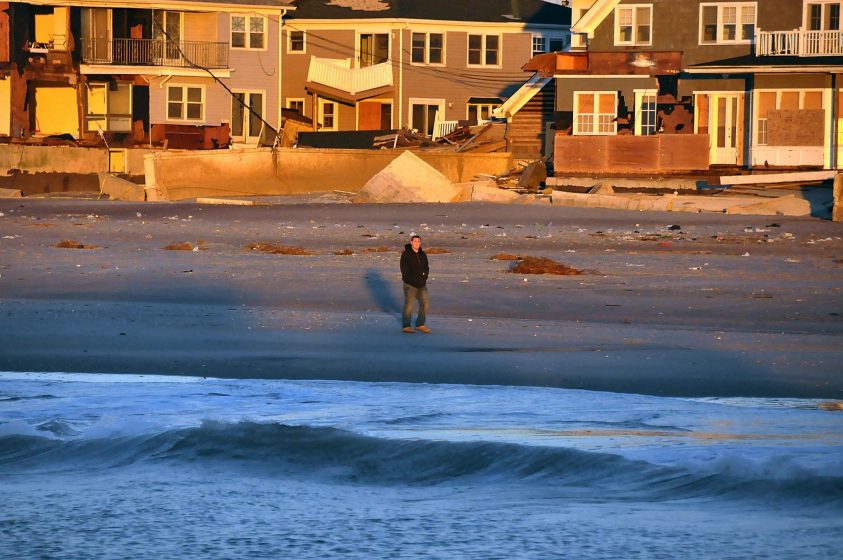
pixel 494 11
pixel 199 5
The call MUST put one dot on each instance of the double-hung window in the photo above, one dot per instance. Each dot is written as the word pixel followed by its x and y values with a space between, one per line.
pixel 428 48
pixel 295 42
pixel 185 103
pixel 727 23
pixel 484 50
pixel 823 16
pixel 248 32
pixel 594 113
pixel 328 115
pixel 634 24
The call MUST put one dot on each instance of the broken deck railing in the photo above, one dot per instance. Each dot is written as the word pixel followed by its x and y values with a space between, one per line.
pixel 154 52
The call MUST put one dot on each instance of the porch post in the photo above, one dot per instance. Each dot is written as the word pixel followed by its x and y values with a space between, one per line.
pixel 835 110
pixel 314 111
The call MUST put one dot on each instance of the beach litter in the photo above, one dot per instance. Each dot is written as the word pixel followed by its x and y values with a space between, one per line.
pixel 70 244
pixel 275 249
pixel 543 265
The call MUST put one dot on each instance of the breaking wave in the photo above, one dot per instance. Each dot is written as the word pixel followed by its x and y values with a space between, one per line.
pixel 338 456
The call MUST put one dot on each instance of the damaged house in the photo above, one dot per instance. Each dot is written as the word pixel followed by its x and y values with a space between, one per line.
pixel 682 85
pixel 140 72
pixel 424 65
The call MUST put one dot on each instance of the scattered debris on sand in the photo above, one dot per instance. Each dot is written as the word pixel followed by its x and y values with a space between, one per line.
pixel 381 249
pixel 185 246
pixel 275 249
pixel 344 252
pixel 831 406
pixel 70 244
pixel 437 251
pixel 543 265
pixel 505 257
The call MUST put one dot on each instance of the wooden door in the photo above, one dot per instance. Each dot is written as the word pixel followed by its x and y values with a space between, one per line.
pixel 369 115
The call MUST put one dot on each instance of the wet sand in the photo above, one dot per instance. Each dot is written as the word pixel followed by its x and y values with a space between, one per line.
pixel 723 306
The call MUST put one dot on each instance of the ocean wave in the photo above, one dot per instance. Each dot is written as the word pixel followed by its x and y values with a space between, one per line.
pixel 339 456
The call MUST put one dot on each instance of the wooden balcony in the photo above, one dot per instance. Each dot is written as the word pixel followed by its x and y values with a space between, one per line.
pixel 154 52
pixel 799 43
pixel 337 75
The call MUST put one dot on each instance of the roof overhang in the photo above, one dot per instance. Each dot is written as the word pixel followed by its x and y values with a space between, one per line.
pixel 181 5
pixel 149 71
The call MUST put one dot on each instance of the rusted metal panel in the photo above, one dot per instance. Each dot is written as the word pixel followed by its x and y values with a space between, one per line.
pixel 630 154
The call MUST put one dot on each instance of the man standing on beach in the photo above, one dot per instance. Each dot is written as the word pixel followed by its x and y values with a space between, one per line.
pixel 414 271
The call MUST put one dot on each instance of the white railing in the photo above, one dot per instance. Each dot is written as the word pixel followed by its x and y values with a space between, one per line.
pixel 799 43
pixel 443 128
pixel 338 74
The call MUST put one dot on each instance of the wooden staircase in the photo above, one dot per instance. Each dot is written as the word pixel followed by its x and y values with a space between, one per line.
pixel 525 132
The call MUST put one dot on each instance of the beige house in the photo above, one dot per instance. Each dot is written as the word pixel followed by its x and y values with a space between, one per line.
pixel 385 64
pixel 188 73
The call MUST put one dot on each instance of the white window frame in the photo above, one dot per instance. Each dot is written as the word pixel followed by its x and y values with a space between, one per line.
pixel 289 101
pixel 759 129
pixel 290 41
pixel 483 50
pixel 108 115
pixel 635 25
pixel 358 54
pixel 490 106
pixel 427 35
pixel 248 43
pixel 595 115
pixel 247 93
pixel 823 13
pixel 184 88
pixel 640 94
pixel 739 8
pixel 545 42
pixel 439 102
pixel 321 117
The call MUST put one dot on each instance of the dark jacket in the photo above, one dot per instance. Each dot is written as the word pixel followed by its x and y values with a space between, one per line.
pixel 414 269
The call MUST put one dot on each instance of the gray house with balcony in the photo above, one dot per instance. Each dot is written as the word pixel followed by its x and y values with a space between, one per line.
pixel 758 82
pixel 190 73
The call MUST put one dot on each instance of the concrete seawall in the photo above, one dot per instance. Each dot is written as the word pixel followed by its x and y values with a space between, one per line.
pixel 264 172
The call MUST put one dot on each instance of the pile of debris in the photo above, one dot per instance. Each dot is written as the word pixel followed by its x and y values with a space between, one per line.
pixel 484 139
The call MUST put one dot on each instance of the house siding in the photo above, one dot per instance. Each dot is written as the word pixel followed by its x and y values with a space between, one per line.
pixel 676 28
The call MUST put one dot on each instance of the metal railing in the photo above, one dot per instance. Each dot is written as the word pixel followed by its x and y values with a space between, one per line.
pixel 337 74
pixel 799 43
pixel 154 52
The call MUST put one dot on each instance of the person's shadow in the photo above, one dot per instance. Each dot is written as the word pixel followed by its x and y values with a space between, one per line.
pixel 382 293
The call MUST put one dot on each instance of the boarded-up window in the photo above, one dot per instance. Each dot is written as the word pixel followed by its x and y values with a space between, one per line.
pixel 790 100
pixel 813 100
pixel 796 128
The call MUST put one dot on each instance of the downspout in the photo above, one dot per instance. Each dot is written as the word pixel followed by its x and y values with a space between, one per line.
pixel 835 109
pixel 401 75
pixel 280 102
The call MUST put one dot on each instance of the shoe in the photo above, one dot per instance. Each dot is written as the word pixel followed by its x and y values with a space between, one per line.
pixel 422 328
pixel 407 330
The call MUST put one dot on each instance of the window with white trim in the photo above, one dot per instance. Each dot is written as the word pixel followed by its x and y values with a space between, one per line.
pixel 727 23
pixel 428 48
pixel 646 112
pixel 634 24
pixel 484 50
pixel 594 113
pixel 481 111
pixel 542 44
pixel 296 104
pixel 185 103
pixel 328 114
pixel 248 32
pixel 108 108
pixel 822 16
pixel 295 42
pixel 773 100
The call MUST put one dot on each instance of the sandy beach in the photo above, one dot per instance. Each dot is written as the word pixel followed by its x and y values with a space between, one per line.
pixel 720 306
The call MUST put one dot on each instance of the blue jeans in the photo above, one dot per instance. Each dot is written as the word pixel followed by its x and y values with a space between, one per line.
pixel 412 293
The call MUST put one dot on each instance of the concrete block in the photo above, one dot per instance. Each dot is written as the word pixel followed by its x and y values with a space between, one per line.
pixel 484 193
pixel 784 205
pixel 120 189
pixel 408 179
pixel 532 199
pixel 10 193
pixel 602 188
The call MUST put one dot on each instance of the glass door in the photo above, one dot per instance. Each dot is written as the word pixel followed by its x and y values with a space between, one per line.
pixel 723 127
pixel 246 125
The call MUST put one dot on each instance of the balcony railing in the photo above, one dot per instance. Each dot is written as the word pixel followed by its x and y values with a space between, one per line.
pixel 154 52
pixel 799 43
pixel 337 74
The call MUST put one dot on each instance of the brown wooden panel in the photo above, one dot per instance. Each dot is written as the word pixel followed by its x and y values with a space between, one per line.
pixel 633 154
pixel 369 115
pixel 683 152
pixel 621 155
pixel 4 33
pixel 795 128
